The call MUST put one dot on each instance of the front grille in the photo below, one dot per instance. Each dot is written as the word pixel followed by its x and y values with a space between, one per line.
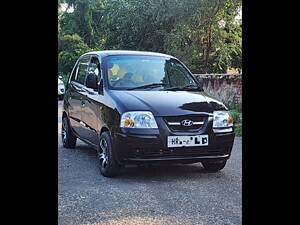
pixel 175 152
pixel 174 122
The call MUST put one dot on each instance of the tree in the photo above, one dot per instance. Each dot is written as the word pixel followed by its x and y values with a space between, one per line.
pixel 85 20
pixel 201 41
pixel 143 24
pixel 204 34
pixel 70 47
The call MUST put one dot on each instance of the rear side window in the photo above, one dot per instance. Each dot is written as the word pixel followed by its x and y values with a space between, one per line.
pixel 82 69
pixel 94 67
pixel 74 72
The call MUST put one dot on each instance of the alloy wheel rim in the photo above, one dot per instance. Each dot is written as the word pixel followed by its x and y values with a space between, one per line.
pixel 102 154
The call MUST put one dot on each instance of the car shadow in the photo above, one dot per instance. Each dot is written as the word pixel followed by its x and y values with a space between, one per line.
pixel 159 171
pixel 165 171
pixel 85 149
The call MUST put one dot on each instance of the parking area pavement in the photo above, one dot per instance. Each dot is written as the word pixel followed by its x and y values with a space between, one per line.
pixel 160 194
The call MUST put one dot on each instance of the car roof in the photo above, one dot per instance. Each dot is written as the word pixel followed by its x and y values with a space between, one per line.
pixel 127 52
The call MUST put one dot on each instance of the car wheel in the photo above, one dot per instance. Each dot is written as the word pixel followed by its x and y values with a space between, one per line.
pixel 68 138
pixel 214 166
pixel 106 159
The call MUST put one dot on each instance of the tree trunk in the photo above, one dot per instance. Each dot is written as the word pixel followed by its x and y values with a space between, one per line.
pixel 208 47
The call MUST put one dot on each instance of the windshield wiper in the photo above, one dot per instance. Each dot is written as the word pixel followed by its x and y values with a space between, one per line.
pixel 147 86
pixel 187 87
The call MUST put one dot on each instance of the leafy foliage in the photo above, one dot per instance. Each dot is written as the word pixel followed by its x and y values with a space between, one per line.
pixel 70 47
pixel 236 113
pixel 204 34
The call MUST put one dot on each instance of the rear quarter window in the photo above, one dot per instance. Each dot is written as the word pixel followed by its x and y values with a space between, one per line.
pixel 82 70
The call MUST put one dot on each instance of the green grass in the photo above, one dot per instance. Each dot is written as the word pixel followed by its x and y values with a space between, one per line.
pixel 236 112
pixel 238 130
pixel 236 116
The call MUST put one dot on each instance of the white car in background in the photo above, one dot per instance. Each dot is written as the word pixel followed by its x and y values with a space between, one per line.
pixel 61 88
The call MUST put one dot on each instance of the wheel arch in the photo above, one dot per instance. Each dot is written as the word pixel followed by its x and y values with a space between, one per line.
pixel 64 114
pixel 104 129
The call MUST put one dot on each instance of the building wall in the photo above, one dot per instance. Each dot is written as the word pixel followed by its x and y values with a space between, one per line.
pixel 225 87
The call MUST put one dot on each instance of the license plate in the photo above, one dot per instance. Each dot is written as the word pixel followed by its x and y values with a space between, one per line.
pixel 187 141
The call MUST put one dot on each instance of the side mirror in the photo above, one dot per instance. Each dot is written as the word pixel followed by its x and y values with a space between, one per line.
pixel 91 81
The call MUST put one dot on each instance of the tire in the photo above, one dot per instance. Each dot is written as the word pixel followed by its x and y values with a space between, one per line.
pixel 106 159
pixel 68 138
pixel 214 166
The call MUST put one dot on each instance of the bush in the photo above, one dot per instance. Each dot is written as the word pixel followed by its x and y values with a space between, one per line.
pixel 70 48
pixel 236 115
pixel 66 61
pixel 234 106
pixel 238 130
pixel 72 43
pixel 236 112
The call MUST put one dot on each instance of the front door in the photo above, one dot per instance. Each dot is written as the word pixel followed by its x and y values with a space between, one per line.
pixel 91 109
pixel 77 93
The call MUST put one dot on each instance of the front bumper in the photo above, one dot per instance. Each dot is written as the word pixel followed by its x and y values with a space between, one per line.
pixel 150 145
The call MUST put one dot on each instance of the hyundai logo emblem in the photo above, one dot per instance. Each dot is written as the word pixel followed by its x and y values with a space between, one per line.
pixel 186 123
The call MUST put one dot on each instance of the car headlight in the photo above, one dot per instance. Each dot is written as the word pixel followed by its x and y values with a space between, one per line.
pixel 138 119
pixel 222 119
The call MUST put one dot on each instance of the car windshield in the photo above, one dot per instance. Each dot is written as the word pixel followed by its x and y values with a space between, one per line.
pixel 144 72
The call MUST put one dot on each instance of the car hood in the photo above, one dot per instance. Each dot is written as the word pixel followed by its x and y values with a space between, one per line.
pixel 166 103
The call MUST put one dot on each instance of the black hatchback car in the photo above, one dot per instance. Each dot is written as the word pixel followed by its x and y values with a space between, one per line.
pixel 143 107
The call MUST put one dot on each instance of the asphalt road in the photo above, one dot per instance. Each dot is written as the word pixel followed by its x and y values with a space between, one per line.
pixel 161 194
